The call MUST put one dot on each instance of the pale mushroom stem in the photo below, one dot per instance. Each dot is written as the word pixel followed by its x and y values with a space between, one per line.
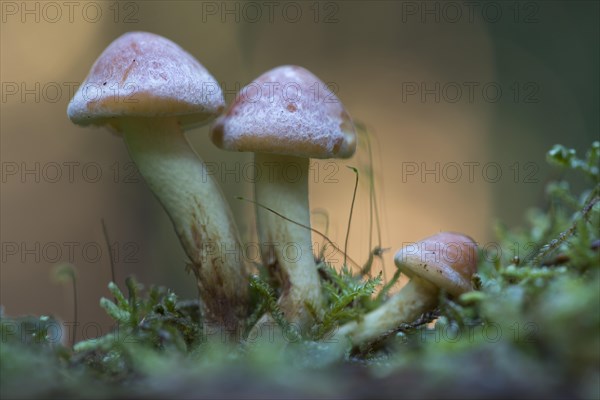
pixel 416 297
pixel 201 217
pixel 286 247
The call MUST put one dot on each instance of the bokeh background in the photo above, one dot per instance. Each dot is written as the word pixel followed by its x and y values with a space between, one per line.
pixel 462 100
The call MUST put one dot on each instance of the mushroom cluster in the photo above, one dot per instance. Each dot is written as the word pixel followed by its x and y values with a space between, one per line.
pixel 149 91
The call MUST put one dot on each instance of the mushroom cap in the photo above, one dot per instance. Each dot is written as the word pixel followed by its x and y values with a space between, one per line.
pixel 447 259
pixel 141 74
pixel 287 111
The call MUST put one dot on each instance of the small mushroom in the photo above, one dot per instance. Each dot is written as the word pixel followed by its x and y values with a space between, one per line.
pixel 445 261
pixel 149 91
pixel 287 116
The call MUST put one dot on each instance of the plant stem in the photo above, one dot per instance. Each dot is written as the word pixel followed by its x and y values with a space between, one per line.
pixel 563 236
pixel 350 216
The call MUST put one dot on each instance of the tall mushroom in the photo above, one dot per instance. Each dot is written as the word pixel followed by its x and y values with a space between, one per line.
pixel 149 90
pixel 285 117
pixel 445 261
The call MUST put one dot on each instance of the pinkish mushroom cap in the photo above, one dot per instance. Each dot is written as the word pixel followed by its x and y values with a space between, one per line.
pixel 141 74
pixel 447 259
pixel 287 111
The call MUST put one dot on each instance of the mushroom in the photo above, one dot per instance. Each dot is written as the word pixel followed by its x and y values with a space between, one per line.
pixel 149 90
pixel 286 116
pixel 445 261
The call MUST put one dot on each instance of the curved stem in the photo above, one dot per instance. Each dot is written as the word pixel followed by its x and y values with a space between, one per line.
pixel 201 217
pixel 415 298
pixel 282 185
